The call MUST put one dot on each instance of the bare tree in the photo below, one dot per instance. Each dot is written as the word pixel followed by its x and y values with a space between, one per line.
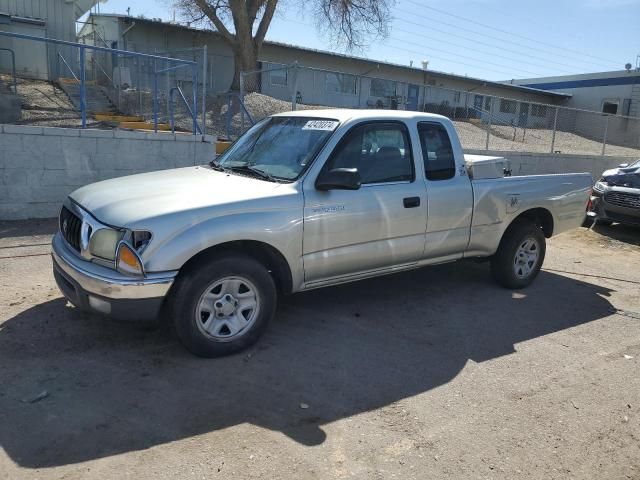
pixel 243 24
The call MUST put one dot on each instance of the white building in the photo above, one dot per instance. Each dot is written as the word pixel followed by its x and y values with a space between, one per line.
pixel 332 79
pixel 40 18
pixel 616 92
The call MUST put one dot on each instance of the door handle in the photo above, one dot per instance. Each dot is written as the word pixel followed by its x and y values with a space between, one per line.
pixel 411 202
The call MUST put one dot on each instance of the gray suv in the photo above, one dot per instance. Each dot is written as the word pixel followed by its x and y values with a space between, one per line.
pixel 616 196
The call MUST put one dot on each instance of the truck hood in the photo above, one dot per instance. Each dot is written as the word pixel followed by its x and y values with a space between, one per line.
pixel 138 200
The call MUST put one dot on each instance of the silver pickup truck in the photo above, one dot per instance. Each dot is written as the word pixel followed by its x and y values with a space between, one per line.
pixel 303 200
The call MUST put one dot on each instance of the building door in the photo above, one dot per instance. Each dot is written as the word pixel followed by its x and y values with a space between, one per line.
pixel 477 103
pixel 412 97
pixel 523 118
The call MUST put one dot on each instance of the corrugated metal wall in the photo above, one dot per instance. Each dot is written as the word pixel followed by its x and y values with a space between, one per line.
pixel 59 17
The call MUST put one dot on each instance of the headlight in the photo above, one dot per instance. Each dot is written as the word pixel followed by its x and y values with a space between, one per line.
pixel 600 186
pixel 103 243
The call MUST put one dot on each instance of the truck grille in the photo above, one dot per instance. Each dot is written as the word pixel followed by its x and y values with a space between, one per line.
pixel 70 226
pixel 623 199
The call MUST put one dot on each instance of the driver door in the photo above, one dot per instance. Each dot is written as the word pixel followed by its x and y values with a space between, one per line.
pixel 352 233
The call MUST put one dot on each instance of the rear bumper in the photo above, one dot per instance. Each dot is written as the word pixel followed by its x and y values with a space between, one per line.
pixel 100 290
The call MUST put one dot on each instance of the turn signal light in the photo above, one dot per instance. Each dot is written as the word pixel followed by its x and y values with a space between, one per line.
pixel 128 261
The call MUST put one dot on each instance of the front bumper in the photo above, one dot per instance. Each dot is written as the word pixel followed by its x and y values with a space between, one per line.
pixel 98 289
pixel 603 210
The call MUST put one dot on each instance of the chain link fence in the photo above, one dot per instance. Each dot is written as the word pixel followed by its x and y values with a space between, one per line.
pixel 482 121
pixel 157 91
pixel 164 88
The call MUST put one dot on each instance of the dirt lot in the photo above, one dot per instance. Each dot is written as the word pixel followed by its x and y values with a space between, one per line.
pixel 429 374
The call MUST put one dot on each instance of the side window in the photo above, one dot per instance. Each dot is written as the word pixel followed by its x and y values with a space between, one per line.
pixel 380 151
pixel 439 163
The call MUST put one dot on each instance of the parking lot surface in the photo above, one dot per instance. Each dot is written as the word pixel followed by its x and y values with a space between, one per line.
pixel 434 373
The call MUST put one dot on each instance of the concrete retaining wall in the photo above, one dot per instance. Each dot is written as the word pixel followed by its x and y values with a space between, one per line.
pixel 40 166
pixel 544 163
pixel 10 108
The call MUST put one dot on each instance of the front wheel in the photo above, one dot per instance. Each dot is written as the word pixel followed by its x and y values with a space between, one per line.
pixel 520 255
pixel 223 305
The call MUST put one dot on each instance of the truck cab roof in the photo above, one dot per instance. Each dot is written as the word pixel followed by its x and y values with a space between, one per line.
pixel 344 114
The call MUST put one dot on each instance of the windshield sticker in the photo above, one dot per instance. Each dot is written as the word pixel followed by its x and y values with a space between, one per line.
pixel 328 125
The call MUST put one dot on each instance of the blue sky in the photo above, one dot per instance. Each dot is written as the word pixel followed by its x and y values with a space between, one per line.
pixel 491 39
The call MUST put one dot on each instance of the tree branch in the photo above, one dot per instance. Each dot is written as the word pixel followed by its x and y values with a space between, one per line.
pixel 212 14
pixel 267 16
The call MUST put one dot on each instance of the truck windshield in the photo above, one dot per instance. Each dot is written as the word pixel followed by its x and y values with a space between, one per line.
pixel 279 147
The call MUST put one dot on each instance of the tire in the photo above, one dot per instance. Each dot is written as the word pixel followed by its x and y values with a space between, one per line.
pixel 587 222
pixel 207 305
pixel 513 266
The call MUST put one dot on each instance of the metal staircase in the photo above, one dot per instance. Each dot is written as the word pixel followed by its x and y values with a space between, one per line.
pixel 97 100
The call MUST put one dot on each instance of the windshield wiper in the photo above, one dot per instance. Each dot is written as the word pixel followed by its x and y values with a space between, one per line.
pixel 216 166
pixel 255 171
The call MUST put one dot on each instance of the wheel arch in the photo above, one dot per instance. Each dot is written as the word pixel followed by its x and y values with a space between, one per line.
pixel 540 216
pixel 269 256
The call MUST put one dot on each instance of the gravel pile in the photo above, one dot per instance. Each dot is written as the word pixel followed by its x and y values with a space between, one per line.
pixel 517 139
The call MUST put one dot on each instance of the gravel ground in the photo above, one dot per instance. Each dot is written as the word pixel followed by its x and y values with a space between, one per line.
pixel 46 105
pixel 435 373
pixel 534 140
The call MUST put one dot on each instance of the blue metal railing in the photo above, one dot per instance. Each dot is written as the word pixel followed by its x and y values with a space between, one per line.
pixel 177 63
pixel 69 67
pixel 230 112
pixel 13 68
pixel 186 104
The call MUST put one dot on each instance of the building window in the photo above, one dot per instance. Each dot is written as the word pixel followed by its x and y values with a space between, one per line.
pixel 610 107
pixel 507 106
pixel 383 88
pixel 539 110
pixel 487 103
pixel 279 77
pixel 456 97
pixel 341 83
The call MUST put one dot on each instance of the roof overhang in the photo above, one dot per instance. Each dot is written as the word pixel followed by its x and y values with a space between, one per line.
pixel 83 6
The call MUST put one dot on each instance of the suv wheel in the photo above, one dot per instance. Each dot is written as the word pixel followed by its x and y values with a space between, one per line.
pixel 520 255
pixel 223 305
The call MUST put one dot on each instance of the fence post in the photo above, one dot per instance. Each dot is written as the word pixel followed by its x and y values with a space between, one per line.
pixel 604 138
pixel 242 77
pixel 194 90
pixel 489 123
pixel 139 80
pixel 204 89
pixel 294 93
pixel 555 125
pixel 155 96
pixel 83 93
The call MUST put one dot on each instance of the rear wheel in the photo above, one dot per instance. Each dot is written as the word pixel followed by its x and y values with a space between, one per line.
pixel 520 255
pixel 223 305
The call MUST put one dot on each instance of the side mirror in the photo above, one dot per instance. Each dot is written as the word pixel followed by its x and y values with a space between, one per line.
pixel 339 179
